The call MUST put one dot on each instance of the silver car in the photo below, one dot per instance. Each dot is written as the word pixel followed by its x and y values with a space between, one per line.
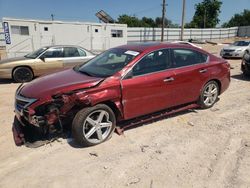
pixel 237 49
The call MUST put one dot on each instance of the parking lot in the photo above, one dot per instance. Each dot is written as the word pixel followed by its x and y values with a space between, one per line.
pixel 196 148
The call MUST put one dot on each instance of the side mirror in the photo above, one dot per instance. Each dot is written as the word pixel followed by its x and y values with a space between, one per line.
pixel 42 58
pixel 129 75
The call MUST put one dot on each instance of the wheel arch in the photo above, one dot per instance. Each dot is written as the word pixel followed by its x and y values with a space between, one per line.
pixel 217 81
pixel 115 107
pixel 29 67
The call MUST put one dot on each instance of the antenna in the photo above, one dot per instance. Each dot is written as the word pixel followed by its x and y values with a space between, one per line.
pixel 52 17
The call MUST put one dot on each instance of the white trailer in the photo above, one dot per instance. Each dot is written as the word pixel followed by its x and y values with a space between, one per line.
pixel 23 35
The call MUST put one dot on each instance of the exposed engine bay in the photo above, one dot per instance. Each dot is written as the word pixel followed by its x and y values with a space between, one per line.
pixel 48 121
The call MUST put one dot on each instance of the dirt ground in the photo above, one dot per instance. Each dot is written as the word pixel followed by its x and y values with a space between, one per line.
pixel 201 148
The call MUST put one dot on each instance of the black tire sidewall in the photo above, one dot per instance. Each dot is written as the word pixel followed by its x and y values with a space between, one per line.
pixel 78 121
pixel 16 79
pixel 201 99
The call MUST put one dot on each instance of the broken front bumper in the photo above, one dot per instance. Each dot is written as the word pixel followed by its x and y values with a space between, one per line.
pixel 18 134
pixel 24 132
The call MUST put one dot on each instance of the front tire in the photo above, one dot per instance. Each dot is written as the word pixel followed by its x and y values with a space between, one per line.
pixel 209 95
pixel 93 125
pixel 22 74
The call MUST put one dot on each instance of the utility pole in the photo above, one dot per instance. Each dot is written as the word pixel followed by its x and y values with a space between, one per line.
pixel 204 21
pixel 52 17
pixel 183 18
pixel 163 19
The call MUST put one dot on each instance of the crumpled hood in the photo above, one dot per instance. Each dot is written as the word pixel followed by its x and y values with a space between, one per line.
pixel 58 82
pixel 232 47
pixel 8 60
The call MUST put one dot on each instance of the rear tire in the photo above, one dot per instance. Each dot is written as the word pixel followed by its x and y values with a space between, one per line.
pixel 209 95
pixel 22 74
pixel 245 73
pixel 93 125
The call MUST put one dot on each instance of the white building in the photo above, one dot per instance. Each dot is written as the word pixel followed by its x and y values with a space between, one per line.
pixel 23 36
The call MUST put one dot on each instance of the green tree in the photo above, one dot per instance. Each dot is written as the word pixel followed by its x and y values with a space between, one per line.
pixel 133 21
pixel 148 21
pixel 168 23
pixel 206 14
pixel 242 19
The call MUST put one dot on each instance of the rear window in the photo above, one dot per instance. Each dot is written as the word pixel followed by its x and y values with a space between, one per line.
pixel 187 57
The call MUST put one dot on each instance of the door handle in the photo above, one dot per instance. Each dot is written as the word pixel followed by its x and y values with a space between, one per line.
pixel 169 79
pixel 203 70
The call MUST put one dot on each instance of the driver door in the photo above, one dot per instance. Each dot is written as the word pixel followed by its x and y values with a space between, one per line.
pixel 150 88
pixel 50 61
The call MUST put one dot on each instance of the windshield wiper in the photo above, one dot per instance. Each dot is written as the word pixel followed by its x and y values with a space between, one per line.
pixel 84 72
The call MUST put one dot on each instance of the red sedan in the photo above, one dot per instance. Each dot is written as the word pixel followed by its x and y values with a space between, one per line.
pixel 120 84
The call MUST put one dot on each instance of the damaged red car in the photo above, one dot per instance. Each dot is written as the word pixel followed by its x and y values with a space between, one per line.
pixel 120 84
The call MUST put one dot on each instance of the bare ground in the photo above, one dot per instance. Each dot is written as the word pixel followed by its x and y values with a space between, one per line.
pixel 201 148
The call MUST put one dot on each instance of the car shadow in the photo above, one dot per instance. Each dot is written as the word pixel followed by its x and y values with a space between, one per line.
pixel 74 144
pixel 6 81
pixel 232 58
pixel 164 117
pixel 241 77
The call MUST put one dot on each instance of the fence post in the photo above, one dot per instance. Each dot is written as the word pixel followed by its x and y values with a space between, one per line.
pixel 220 33
pixel 153 34
pixel 211 34
pixel 167 34
pixel 201 34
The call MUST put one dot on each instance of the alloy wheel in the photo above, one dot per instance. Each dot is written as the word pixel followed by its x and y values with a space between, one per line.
pixel 97 126
pixel 210 94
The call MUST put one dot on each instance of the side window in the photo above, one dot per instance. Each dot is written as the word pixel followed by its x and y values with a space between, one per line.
pixel 71 52
pixel 153 62
pixel 81 52
pixel 186 57
pixel 53 53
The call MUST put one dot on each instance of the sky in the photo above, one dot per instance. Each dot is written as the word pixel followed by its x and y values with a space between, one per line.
pixel 84 10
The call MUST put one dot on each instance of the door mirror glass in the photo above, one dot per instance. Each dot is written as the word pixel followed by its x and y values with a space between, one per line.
pixel 129 75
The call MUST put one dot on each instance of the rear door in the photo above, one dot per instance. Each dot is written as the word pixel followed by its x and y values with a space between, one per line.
pixel 150 88
pixel 192 71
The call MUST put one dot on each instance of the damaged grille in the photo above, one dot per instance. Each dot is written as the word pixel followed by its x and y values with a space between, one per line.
pixel 22 102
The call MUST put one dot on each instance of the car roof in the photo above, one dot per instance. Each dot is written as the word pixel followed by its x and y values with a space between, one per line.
pixel 60 46
pixel 147 46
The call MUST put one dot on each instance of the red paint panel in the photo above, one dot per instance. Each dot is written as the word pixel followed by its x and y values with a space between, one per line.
pixel 147 93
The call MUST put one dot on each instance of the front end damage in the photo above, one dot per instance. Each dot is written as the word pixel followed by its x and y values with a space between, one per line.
pixel 41 121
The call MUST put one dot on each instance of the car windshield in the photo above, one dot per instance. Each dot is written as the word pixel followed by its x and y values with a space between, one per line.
pixel 36 53
pixel 108 63
pixel 241 43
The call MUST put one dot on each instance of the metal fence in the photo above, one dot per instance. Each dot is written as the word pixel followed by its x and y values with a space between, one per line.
pixel 244 31
pixel 139 34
